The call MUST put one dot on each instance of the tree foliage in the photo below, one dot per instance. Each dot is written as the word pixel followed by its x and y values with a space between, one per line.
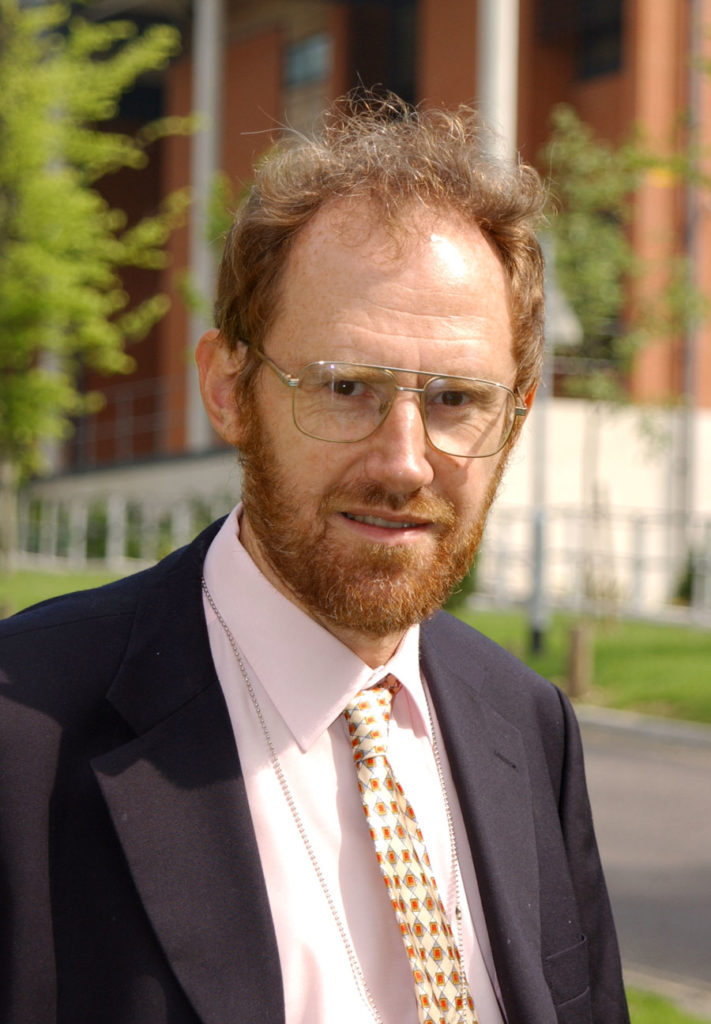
pixel 592 184
pixel 62 246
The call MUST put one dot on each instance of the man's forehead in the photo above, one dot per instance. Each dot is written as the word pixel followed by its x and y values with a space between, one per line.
pixel 382 238
pixel 430 292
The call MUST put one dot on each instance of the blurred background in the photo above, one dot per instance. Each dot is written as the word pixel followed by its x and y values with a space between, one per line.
pixel 610 100
pixel 128 132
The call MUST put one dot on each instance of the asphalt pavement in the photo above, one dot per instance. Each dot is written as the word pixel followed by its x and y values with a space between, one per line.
pixel 650 788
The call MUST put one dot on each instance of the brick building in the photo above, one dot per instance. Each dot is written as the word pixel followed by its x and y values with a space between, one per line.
pixel 619 63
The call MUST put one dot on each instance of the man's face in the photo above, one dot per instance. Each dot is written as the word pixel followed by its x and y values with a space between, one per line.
pixel 370 537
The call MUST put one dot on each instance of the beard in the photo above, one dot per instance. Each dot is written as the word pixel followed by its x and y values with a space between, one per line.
pixel 373 589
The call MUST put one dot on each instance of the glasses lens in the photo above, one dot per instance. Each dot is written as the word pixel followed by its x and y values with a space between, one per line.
pixel 342 401
pixel 468 418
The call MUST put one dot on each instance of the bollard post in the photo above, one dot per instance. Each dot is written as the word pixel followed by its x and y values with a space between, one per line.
pixel 580 659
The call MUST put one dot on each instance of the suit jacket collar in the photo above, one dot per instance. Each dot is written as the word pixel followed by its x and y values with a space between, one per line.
pixel 178 804
pixel 167 660
pixel 490 772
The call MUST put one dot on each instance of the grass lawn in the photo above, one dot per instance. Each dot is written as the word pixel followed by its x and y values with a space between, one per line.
pixel 636 666
pixel 648 667
pixel 23 588
pixel 646 1008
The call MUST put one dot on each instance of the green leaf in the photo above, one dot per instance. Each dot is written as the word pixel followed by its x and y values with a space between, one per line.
pixel 62 246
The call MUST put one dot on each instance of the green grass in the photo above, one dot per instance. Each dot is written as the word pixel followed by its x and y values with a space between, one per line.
pixel 646 1008
pixel 637 666
pixel 23 588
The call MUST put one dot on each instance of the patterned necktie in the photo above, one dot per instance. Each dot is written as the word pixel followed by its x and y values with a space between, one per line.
pixel 440 987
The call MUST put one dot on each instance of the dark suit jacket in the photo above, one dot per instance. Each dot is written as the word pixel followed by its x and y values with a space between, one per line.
pixel 131 890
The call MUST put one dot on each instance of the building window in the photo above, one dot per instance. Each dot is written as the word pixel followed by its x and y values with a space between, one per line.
pixel 382 45
pixel 307 74
pixel 308 60
pixel 599 41
pixel 593 28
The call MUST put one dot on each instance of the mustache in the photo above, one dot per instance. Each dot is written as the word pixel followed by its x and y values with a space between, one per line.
pixel 422 505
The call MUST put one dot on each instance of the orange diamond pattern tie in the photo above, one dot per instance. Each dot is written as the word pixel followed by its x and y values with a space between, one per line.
pixel 441 989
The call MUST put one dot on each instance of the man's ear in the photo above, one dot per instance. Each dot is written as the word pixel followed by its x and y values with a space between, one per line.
pixel 528 400
pixel 218 367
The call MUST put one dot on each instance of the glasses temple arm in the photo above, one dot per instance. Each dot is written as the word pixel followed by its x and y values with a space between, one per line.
pixel 284 377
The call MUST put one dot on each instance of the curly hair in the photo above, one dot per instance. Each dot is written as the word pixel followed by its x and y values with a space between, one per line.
pixel 378 148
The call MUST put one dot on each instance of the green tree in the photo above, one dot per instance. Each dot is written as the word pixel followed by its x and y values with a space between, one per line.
pixel 62 246
pixel 592 184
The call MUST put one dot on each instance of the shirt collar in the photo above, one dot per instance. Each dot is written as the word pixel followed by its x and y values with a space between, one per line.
pixel 308 674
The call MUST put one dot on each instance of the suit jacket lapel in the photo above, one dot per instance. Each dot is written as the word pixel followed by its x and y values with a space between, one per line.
pixel 490 772
pixel 177 800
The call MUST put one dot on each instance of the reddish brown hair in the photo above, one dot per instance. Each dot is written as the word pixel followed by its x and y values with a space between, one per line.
pixel 380 149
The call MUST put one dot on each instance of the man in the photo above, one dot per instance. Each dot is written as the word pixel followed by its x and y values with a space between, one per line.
pixel 189 816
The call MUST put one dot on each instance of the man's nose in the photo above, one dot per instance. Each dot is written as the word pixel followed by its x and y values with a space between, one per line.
pixel 398 453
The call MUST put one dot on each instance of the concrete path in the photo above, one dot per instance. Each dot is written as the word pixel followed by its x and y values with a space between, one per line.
pixel 650 787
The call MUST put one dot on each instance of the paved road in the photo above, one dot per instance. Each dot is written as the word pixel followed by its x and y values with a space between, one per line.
pixel 651 796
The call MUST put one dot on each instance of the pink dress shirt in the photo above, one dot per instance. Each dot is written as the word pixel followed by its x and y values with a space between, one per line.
pixel 302 677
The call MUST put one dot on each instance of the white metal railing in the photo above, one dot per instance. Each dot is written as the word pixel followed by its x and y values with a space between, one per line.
pixel 625 562
pixel 112 531
pixel 616 561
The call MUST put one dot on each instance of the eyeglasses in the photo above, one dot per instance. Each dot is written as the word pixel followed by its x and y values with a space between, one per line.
pixel 347 402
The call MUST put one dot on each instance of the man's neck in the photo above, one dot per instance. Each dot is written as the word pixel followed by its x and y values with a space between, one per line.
pixel 373 650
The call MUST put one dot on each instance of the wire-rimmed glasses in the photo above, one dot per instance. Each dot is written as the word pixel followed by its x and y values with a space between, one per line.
pixel 347 402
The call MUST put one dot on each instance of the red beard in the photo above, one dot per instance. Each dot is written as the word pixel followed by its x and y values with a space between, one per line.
pixel 373 589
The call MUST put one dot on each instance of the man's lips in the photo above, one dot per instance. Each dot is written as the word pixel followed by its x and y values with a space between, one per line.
pixel 387 524
pixel 373 509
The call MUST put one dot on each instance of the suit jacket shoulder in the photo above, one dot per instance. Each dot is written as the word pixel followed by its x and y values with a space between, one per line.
pixel 501 683
pixel 127 855
pixel 516 757
pixel 499 675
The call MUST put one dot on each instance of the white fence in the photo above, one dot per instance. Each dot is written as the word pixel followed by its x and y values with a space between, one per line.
pixel 110 531
pixel 624 562
pixel 615 539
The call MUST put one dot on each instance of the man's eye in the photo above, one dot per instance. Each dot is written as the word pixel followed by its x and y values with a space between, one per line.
pixel 347 388
pixel 466 398
pixel 454 399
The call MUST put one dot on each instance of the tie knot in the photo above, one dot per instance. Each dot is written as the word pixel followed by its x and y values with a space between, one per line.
pixel 368 717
